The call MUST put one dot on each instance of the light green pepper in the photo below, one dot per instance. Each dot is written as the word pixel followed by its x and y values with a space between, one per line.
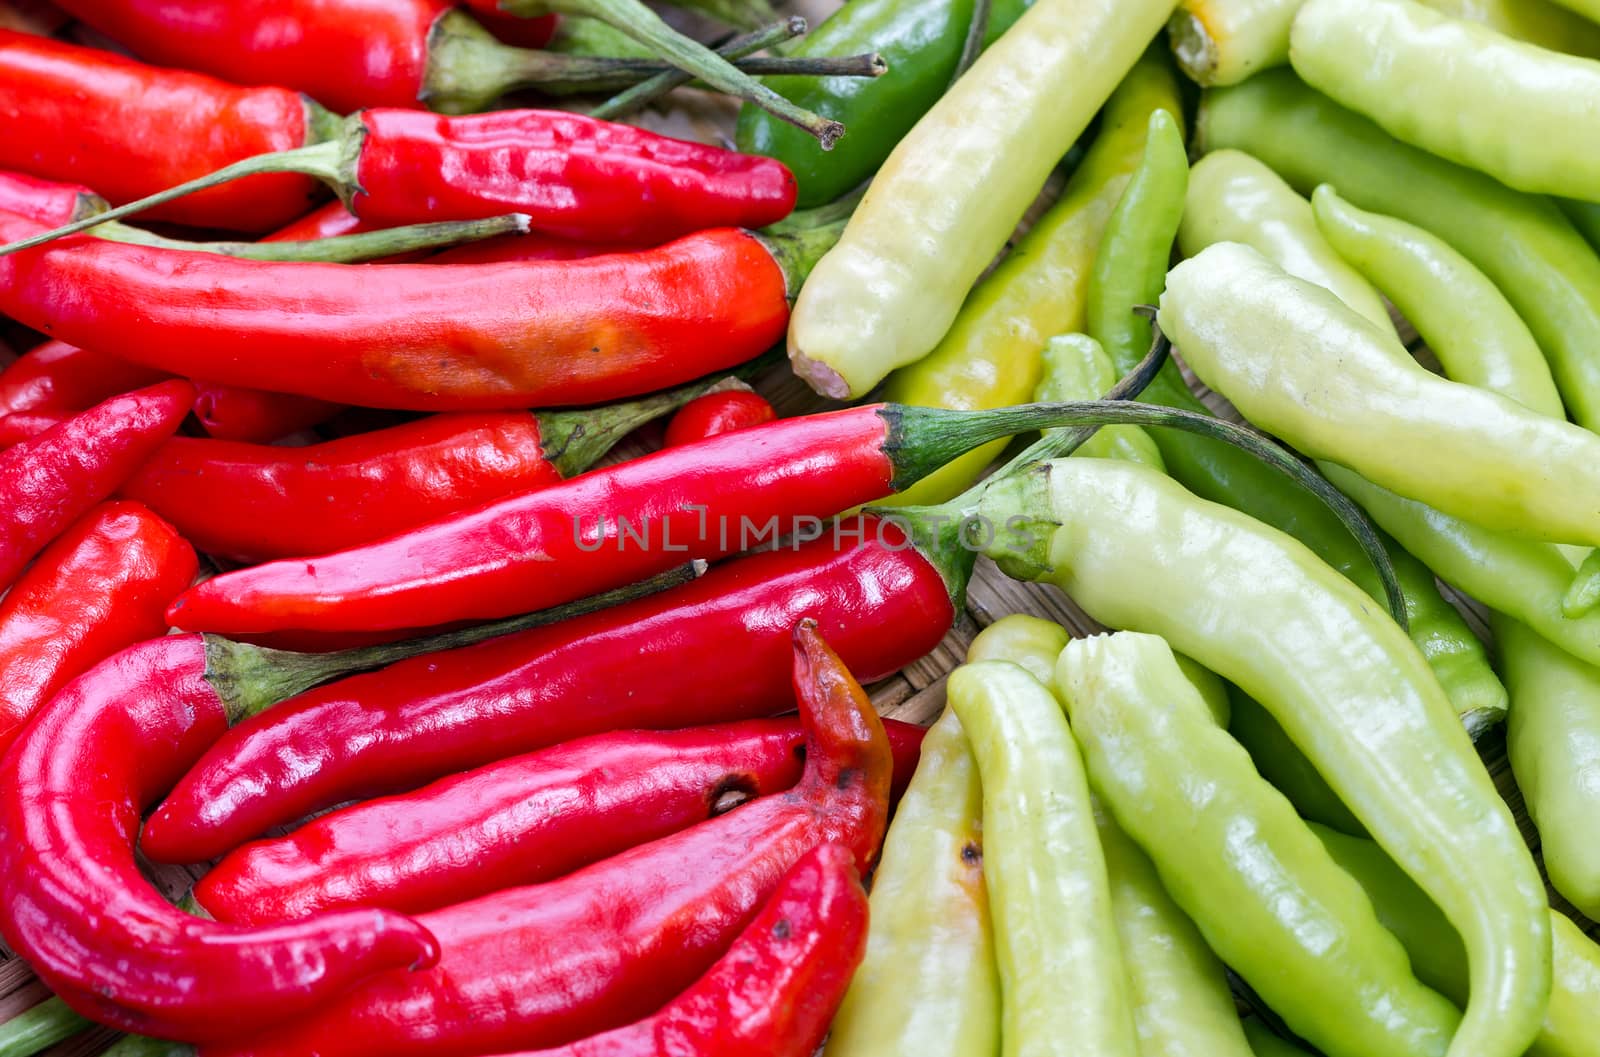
pixel 1235 198
pixel 1572 1023
pixel 1286 767
pixel 1479 338
pixel 1136 551
pixel 1077 368
pixel 1300 364
pixel 1525 115
pixel 928 986
pixel 1233 853
pixel 949 196
pixel 1063 986
pixel 1264 1042
pixel 1521 242
pixel 1220 42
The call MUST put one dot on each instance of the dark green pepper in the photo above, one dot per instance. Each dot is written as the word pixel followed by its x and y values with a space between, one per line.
pixel 920 39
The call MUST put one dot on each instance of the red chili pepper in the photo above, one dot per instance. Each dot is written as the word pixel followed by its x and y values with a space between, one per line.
pixel 56 376
pixel 416 336
pixel 717 413
pixel 521 32
pixel 550 963
pixel 228 412
pixel 713 651
pixel 776 990
pixel 129 130
pixel 254 503
pixel 610 527
pixel 329 220
pixel 46 201
pixel 534 246
pixel 25 425
pixel 103 585
pixel 49 481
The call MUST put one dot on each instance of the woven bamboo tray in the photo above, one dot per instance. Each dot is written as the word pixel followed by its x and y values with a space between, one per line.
pixel 917 693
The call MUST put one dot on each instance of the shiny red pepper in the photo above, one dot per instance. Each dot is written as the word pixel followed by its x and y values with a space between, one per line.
pixel 102 586
pixel 328 220
pixel 776 990
pixel 47 201
pixel 51 480
pixel 413 336
pixel 713 651
pixel 717 413
pixel 74 903
pixel 607 528
pixel 252 503
pixel 130 130
pixel 550 963
pixel 334 219
pixel 25 425
pixel 521 32
pixel 228 412
pixel 514 822
pixel 56 376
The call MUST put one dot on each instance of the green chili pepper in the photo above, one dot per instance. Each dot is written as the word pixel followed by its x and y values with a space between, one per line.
pixel 1572 1023
pixel 1136 551
pixel 1063 988
pixel 1553 739
pixel 951 193
pixel 928 986
pixel 1523 243
pixel 1077 368
pixel 1235 198
pixel 991 356
pixel 1416 72
pixel 1264 1042
pixel 1300 364
pixel 1286 767
pixel 921 41
pixel 1234 855
pixel 1138 243
pixel 1479 338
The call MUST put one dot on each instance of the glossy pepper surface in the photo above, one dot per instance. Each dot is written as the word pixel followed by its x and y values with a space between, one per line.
pixel 56 376
pixel 49 481
pixel 539 965
pixel 412 336
pixel 990 355
pixel 229 412
pixel 76 905
pixel 102 586
pixel 1264 339
pixel 1267 896
pixel 713 651
pixel 928 986
pixel 1063 985
pixel 1261 611
pixel 137 129
pixel 718 413
pixel 518 821
pixel 954 188
pixel 47 201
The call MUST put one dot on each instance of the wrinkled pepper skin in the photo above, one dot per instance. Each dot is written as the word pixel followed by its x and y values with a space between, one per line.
pixel 1263 612
pixel 1232 853
pixel 102 586
pixel 921 40
pixel 76 905
pixel 412 336
pixel 712 651
pixel 928 986
pixel 56 376
pixel 577 177
pixel 540 965
pixel 129 130
pixel 518 821
pixel 51 480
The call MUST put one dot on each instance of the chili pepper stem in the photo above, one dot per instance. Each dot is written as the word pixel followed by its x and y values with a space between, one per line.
pixel 42 1026
pixel 573 441
pixel 251 679
pixel 797 247
pixel 339 249
pixel 644 92
pixel 740 14
pixel 645 26
pixel 972 46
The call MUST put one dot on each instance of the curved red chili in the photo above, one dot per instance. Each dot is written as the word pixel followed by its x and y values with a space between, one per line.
pixel 47 201
pixel 25 425
pixel 717 413
pixel 129 130
pixel 228 412
pixel 713 651
pixel 604 529
pixel 51 480
pixel 75 905
pixel 56 376
pixel 599 948
pixel 102 586
pixel 413 336
pixel 534 246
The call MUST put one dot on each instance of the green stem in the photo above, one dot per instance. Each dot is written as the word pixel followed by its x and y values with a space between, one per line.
pixel 590 36
pixel 251 679
pixel 648 91
pixel 336 249
pixel 798 246
pixel 139 1046
pixel 644 25
pixel 40 1027
pixel 977 31
pixel 575 440
pixel 331 161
